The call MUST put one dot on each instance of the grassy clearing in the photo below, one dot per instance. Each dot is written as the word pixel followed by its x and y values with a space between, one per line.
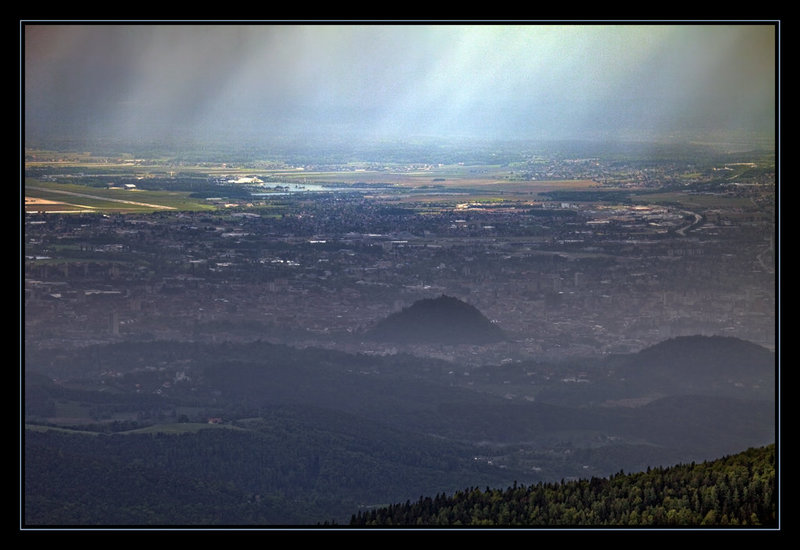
pixel 693 200
pixel 182 428
pixel 444 177
pixel 41 428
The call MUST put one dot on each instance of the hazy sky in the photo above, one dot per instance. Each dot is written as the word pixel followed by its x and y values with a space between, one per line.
pixel 380 80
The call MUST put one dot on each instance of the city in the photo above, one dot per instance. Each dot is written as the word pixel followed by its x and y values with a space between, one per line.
pixel 585 271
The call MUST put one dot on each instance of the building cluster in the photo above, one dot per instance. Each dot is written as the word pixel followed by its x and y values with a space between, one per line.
pixel 561 279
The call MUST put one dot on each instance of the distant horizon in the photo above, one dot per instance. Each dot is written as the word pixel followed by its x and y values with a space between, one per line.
pixel 753 140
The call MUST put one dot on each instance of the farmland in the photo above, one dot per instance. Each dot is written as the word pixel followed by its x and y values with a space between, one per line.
pixel 88 185
pixel 41 196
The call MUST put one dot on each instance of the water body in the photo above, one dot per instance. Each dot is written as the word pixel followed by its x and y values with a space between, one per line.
pixel 282 189
pixel 292 188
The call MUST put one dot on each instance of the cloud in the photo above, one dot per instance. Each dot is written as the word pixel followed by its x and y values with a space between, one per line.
pixel 395 80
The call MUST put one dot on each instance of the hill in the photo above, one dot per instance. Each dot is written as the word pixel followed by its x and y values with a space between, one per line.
pixel 443 320
pixel 707 365
pixel 737 490
pixel 302 436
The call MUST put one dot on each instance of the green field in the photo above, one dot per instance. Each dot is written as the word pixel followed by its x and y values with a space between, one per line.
pixel 181 428
pixel 693 200
pixel 41 196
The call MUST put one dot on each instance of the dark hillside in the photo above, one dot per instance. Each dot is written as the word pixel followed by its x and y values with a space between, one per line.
pixel 286 466
pixel 291 435
pixel 707 365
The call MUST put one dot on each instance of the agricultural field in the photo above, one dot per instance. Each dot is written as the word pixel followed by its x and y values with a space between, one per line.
pixel 42 196
pixel 202 180
pixel 694 200
pixel 81 183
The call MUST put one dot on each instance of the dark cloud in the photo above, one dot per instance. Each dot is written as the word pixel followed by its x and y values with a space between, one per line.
pixel 394 80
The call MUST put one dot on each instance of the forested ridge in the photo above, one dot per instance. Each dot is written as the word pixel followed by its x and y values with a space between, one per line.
pixel 737 490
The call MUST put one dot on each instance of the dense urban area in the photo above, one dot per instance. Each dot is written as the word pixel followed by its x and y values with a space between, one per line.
pixel 644 254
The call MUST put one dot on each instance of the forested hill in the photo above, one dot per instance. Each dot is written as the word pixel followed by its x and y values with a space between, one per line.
pixel 738 490
pixel 257 433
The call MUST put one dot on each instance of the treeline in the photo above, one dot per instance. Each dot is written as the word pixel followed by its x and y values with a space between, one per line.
pixel 738 490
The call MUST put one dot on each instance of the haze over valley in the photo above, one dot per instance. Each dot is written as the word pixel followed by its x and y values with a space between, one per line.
pixel 289 274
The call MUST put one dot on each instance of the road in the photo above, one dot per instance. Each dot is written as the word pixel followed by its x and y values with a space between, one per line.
pixel 698 219
pixel 85 195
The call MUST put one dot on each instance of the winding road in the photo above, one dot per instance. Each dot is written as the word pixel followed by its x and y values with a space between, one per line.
pixel 698 219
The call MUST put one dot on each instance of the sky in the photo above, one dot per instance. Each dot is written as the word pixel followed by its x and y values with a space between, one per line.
pixel 395 81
